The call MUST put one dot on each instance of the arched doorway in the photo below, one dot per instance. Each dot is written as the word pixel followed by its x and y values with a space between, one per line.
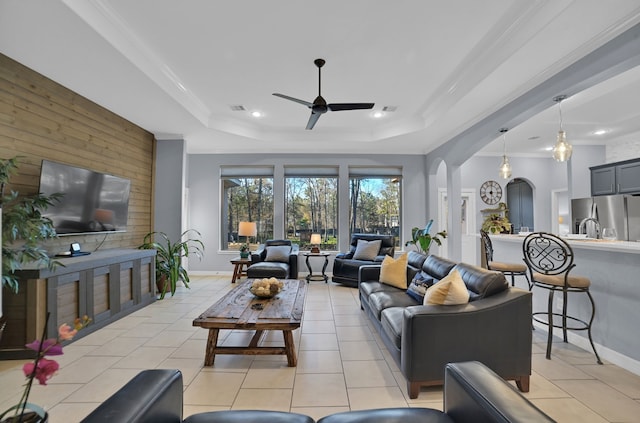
pixel 520 204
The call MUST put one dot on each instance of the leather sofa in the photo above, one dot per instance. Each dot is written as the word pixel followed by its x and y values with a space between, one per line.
pixel 493 328
pixel 285 268
pixel 345 268
pixel 472 393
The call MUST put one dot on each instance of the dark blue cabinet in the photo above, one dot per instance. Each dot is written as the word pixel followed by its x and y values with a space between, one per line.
pixel 616 178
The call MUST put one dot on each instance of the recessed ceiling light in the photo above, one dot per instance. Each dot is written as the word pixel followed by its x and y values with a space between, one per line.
pixel 256 114
pixel 377 114
pixel 548 148
pixel 600 132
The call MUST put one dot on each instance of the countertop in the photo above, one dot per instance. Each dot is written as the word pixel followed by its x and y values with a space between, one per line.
pixel 587 244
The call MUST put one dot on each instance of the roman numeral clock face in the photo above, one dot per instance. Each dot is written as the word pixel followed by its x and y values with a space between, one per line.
pixel 491 192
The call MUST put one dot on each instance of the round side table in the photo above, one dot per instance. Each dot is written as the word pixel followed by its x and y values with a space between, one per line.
pixel 311 276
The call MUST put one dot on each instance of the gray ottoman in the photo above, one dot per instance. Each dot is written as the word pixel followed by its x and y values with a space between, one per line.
pixel 268 269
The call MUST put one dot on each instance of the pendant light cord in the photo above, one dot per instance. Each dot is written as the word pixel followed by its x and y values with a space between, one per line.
pixel 504 141
pixel 560 109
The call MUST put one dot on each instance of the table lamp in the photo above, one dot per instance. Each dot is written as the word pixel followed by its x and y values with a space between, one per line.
pixel 315 241
pixel 246 229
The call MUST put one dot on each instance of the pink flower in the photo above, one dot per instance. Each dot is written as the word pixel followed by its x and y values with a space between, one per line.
pixel 49 347
pixel 65 333
pixel 46 369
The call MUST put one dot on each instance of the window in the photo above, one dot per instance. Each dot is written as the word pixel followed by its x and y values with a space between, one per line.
pixel 311 206
pixel 375 202
pixel 247 196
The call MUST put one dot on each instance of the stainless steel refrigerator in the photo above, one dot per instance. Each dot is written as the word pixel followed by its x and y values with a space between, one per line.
pixel 633 218
pixel 609 210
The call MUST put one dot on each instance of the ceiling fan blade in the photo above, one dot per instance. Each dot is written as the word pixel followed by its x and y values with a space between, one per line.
pixel 312 120
pixel 286 97
pixel 336 107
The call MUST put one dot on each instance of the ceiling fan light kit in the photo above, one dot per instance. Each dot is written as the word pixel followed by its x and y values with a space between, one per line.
pixel 562 149
pixel 319 105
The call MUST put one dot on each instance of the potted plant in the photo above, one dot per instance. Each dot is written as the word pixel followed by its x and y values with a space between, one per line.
pixel 496 223
pixel 244 250
pixel 23 227
pixel 422 238
pixel 169 269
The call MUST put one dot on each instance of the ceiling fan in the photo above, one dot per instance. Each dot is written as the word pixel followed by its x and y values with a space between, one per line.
pixel 320 106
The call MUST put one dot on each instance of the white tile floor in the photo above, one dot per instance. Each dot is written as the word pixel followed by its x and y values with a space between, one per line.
pixel 342 365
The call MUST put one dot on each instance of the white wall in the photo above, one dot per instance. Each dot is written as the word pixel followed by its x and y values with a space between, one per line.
pixel 624 148
pixel 203 172
pixel 543 173
pixel 169 188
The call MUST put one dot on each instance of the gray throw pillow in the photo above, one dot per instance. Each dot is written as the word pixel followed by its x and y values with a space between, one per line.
pixel 279 253
pixel 367 250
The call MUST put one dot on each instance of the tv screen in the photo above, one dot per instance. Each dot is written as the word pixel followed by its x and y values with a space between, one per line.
pixel 91 201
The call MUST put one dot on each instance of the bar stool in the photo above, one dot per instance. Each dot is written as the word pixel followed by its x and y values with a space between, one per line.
pixel 508 269
pixel 550 259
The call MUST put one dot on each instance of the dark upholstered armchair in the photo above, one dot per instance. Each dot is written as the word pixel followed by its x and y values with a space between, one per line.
pixel 346 265
pixel 276 258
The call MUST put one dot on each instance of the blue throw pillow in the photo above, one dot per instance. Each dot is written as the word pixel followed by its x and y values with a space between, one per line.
pixel 418 286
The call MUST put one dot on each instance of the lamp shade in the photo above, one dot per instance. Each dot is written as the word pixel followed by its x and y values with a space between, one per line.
pixel 315 239
pixel 103 216
pixel 247 229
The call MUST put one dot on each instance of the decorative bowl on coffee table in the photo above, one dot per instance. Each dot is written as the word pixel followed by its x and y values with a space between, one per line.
pixel 266 288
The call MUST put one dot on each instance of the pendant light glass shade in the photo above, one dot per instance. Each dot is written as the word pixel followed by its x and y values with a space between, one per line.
pixel 562 149
pixel 505 167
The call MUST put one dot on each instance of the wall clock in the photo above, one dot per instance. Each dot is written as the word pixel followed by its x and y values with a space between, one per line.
pixel 491 192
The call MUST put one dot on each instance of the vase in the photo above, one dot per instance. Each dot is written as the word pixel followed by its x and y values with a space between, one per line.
pixel 162 283
pixel 244 254
pixel 27 417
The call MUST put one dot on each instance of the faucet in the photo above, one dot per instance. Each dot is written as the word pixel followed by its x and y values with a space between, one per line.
pixel 583 225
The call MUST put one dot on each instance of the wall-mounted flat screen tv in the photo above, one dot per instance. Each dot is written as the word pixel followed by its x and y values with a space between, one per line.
pixel 91 201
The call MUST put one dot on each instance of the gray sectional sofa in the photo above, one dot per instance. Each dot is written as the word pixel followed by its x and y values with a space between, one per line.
pixel 472 393
pixel 493 328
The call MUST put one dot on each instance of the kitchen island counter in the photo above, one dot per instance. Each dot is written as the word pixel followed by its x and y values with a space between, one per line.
pixel 587 244
pixel 613 268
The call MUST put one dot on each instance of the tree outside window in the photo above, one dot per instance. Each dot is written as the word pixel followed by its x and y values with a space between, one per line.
pixel 246 200
pixel 311 207
pixel 375 206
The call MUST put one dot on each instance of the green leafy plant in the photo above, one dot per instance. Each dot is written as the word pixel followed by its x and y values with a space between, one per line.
pixel 23 227
pixel 169 269
pixel 496 223
pixel 422 238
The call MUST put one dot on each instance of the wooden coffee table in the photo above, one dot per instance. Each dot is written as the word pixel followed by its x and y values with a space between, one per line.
pixel 239 309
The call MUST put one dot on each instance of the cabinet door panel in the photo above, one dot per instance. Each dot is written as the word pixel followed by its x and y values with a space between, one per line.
pixel 603 181
pixel 628 178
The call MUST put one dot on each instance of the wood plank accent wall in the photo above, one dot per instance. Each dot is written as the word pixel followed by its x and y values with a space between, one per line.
pixel 41 119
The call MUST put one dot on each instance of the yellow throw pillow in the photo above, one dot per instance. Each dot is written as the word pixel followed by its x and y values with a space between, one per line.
pixel 451 290
pixel 394 271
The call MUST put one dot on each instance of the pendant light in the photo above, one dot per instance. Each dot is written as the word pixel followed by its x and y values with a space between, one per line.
pixel 562 149
pixel 505 167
